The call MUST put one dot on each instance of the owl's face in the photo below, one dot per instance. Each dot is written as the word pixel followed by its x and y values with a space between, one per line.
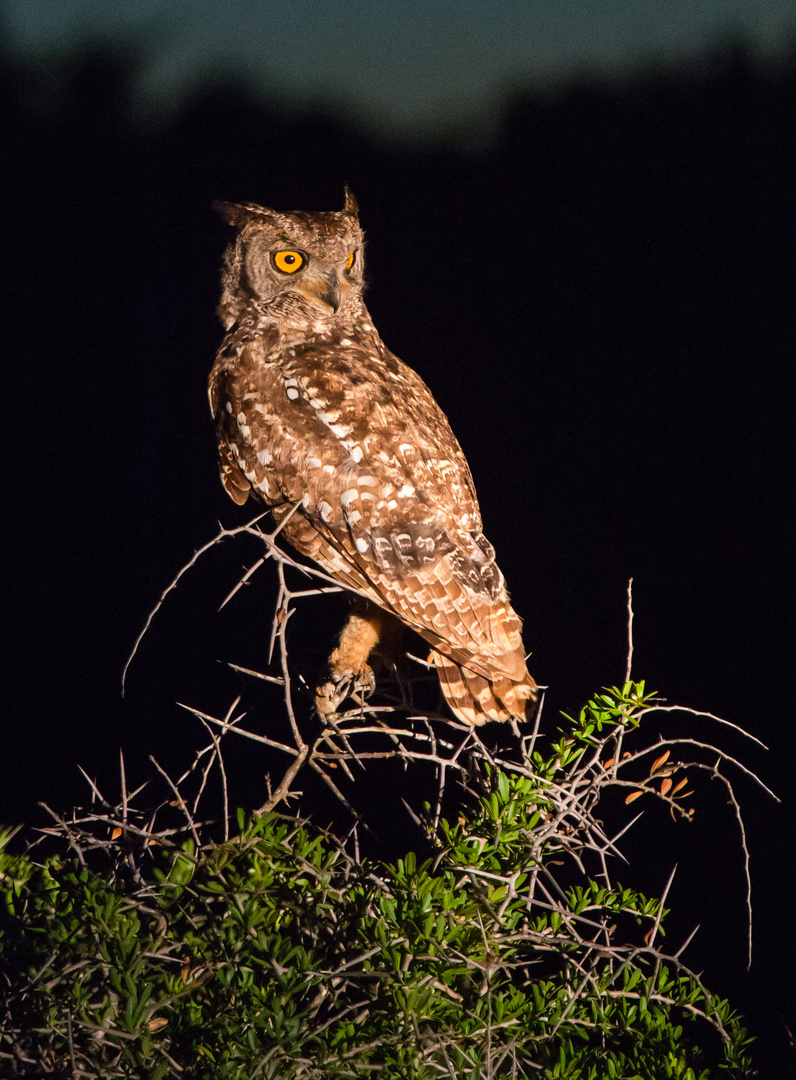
pixel 298 266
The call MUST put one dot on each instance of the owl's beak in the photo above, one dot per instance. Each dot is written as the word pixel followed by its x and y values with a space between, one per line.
pixel 322 292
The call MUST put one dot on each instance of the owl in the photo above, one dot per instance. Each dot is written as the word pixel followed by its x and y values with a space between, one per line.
pixel 346 445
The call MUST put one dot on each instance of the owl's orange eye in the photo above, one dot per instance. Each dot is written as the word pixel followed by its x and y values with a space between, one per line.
pixel 288 262
pixel 350 261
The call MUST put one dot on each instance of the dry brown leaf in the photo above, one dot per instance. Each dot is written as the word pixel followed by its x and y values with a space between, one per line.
pixel 633 796
pixel 195 974
pixel 679 784
pixel 665 785
pixel 117 832
pixel 157 1024
pixel 659 761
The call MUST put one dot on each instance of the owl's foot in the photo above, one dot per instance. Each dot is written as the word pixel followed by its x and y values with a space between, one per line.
pixel 358 685
pixel 350 675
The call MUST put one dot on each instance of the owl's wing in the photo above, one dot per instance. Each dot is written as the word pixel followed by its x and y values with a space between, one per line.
pixel 455 598
pixel 235 483
pixel 218 391
pixel 393 506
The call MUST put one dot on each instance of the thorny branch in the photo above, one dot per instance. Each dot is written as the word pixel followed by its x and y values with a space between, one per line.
pixel 459 760
pixel 370 732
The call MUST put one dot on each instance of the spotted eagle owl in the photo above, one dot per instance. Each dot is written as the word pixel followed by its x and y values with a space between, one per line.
pixel 346 445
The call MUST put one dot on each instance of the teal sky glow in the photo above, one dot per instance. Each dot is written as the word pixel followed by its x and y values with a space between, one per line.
pixel 412 67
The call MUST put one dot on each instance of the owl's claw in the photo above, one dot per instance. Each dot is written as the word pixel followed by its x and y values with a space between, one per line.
pixel 358 685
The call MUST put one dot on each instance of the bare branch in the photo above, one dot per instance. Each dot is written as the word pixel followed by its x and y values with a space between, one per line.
pixel 629 666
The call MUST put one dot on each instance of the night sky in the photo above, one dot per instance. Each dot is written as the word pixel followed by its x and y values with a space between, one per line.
pixel 586 254
pixel 408 69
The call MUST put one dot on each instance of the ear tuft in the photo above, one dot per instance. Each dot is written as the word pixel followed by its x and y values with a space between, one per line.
pixel 238 214
pixel 351 205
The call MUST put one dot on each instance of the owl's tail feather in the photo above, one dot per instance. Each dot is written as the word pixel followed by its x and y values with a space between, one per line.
pixel 477 700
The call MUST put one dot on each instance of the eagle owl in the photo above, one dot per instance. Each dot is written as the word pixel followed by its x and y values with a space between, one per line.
pixel 346 445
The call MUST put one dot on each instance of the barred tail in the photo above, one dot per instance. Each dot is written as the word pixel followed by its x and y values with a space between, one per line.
pixel 477 700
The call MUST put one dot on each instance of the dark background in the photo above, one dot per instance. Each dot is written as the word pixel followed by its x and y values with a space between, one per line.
pixel 602 300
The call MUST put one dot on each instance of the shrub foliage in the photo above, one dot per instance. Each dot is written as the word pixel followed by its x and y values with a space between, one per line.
pixel 505 950
pixel 138 943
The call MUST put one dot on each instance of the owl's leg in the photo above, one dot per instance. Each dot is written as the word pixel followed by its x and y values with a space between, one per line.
pixel 349 672
pixel 391 651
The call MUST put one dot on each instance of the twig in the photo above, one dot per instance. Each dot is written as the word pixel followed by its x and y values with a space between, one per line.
pixel 707 715
pixel 222 535
pixel 629 666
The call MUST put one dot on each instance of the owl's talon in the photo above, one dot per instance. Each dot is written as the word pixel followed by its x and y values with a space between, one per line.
pixel 358 685
pixel 362 685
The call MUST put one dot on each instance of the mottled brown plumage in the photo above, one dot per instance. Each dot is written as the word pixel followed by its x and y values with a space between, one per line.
pixel 313 410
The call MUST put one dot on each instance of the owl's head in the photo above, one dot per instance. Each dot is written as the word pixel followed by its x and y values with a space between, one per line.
pixel 300 266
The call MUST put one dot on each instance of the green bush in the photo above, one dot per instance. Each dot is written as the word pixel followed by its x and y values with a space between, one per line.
pixel 139 952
